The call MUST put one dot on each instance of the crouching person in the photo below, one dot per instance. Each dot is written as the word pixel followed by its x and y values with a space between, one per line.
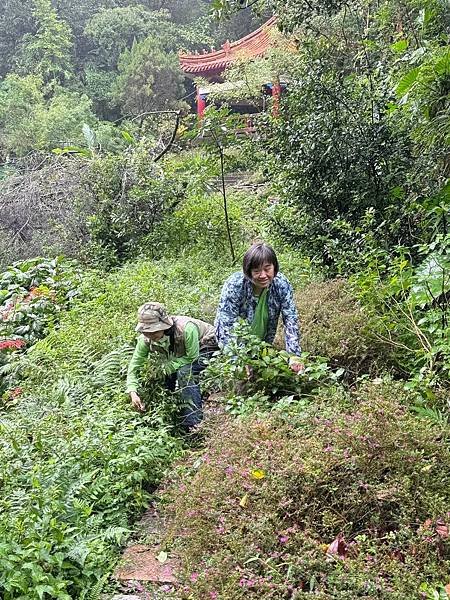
pixel 185 345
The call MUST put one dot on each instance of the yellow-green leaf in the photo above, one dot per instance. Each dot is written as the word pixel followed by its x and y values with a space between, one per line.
pixel 258 474
pixel 244 501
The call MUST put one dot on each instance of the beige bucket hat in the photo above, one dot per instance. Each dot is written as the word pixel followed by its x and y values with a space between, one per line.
pixel 152 316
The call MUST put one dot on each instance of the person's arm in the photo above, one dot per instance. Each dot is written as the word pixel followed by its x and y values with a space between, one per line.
pixel 192 345
pixel 290 321
pixel 228 309
pixel 136 363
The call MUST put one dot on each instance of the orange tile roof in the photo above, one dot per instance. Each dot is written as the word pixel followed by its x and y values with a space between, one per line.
pixel 252 45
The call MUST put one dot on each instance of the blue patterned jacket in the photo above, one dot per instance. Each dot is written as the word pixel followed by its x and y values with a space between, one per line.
pixel 237 300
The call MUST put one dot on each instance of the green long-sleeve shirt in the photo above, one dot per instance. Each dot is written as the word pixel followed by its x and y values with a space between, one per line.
pixel 171 363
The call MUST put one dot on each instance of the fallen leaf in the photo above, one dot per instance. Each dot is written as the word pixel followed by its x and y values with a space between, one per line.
pixel 442 528
pixel 244 501
pixel 162 557
pixel 338 547
pixel 258 474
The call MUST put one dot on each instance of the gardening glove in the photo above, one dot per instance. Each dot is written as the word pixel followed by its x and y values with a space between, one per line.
pixel 296 365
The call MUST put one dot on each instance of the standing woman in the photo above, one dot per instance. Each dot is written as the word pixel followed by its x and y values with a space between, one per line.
pixel 259 294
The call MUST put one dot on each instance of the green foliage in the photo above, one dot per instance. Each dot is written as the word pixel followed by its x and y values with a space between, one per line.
pixel 409 310
pixel 149 78
pixel 77 461
pixel 63 519
pixel 218 129
pixel 16 19
pixel 360 147
pixel 29 121
pixel 132 196
pixel 340 163
pixel 423 94
pixel 21 107
pixel 336 326
pixel 200 218
pixel 47 53
pixel 114 30
pixel 32 295
pixel 248 366
pixel 348 498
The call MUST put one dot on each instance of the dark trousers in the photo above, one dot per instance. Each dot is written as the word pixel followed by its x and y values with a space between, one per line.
pixel 187 379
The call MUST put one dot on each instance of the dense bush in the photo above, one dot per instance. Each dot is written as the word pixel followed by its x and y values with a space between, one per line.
pixel 334 325
pixel 406 301
pixel 32 295
pixel 248 366
pixel 75 465
pixel 342 500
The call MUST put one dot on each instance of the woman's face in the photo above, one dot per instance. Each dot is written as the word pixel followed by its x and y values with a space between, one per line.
pixel 262 276
pixel 154 336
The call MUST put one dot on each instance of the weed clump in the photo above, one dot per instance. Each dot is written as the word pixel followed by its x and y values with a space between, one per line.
pixel 327 503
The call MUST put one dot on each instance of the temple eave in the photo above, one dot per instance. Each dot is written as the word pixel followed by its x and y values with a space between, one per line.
pixel 253 45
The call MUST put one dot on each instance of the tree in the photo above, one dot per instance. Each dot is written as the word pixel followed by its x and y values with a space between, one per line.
pixel 149 79
pixel 16 20
pixel 21 108
pixel 114 30
pixel 48 52
pixel 30 121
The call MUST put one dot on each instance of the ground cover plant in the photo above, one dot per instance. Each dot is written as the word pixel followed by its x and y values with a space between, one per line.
pixel 343 498
pixel 77 461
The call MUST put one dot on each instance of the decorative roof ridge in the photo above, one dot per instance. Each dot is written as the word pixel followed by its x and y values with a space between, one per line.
pixel 255 33
pixel 228 47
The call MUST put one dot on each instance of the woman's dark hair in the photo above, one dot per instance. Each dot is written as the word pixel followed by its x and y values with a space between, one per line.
pixel 258 255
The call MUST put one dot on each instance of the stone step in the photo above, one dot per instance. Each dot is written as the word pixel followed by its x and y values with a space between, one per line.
pixel 143 563
pixel 145 572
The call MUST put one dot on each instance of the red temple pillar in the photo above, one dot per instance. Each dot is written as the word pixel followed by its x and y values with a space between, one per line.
pixel 276 95
pixel 201 104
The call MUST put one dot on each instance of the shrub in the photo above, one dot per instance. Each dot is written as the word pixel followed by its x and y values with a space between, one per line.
pixel 132 195
pixel 327 504
pixel 32 295
pixel 334 325
pixel 248 365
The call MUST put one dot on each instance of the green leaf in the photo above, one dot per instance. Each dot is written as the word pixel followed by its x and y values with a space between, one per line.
pixel 127 137
pixel 442 66
pixel 407 81
pixel 89 136
pixel 400 46
pixel 42 589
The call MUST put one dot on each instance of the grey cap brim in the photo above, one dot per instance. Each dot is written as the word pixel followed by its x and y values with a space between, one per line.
pixel 143 328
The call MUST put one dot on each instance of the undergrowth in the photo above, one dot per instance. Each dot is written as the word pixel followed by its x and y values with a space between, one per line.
pixel 77 463
pixel 347 498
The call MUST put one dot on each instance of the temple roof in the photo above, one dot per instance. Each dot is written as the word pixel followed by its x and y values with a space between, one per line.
pixel 212 63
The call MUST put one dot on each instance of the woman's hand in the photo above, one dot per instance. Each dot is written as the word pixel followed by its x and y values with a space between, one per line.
pixel 137 402
pixel 296 365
